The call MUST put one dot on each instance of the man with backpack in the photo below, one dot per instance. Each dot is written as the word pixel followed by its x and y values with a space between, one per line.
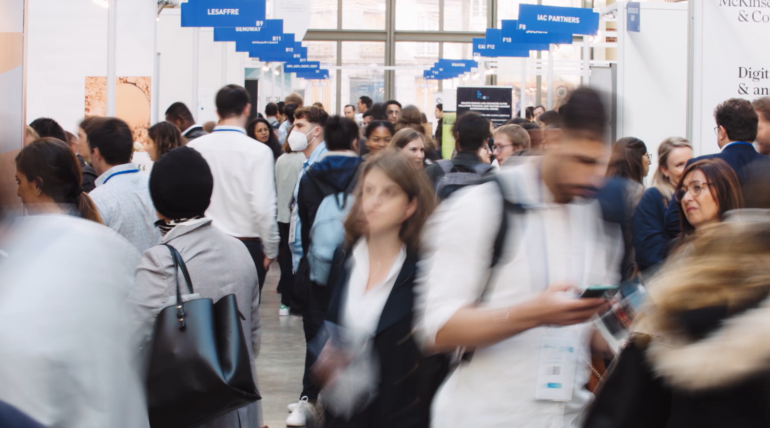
pixel 323 201
pixel 521 313
pixel 471 133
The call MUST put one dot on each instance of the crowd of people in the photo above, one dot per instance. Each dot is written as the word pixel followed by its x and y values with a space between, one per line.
pixel 433 292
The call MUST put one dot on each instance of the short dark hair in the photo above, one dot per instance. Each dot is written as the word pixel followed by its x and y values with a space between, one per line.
pixel 351 106
pixel 271 109
pixel 471 131
pixel 289 110
pixel 530 112
pixel 166 137
pixel 550 117
pixel 378 111
pixel 367 101
pixel 389 102
pixel 281 106
pixel 231 101
pixel 179 110
pixel 583 114
pixel 739 119
pixel 517 121
pixel 529 126
pixel 367 113
pixel 46 127
pixel 112 137
pixel 339 133
pixel 440 107
pixel 379 124
pixel 313 115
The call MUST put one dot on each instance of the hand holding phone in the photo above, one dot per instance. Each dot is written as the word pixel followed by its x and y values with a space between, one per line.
pixel 597 291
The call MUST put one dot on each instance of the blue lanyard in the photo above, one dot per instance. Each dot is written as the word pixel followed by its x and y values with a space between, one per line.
pixel 128 171
pixel 229 130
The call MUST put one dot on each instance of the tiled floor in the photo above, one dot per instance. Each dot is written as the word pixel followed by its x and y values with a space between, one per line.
pixel 282 357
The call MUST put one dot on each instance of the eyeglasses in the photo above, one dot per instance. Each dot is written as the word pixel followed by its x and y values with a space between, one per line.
pixel 500 147
pixel 694 188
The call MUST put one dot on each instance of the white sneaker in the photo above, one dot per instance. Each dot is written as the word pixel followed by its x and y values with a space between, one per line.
pixel 292 406
pixel 298 416
pixel 283 311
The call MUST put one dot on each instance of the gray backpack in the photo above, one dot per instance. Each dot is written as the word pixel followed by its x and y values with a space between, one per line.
pixel 456 177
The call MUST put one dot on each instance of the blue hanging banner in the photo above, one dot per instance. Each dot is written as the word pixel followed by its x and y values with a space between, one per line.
pixel 301 68
pixel 265 30
pixel 222 13
pixel 287 41
pixel 500 48
pixel 553 19
pixel 320 74
pixel 511 30
pixel 633 16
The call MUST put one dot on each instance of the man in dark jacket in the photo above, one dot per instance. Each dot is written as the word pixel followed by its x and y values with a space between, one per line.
pixel 736 130
pixel 180 115
pixel 471 133
pixel 337 172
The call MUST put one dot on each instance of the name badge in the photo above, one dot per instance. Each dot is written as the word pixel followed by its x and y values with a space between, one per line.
pixel 556 371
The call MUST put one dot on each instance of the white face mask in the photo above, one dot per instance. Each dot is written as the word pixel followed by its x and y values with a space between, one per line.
pixel 298 141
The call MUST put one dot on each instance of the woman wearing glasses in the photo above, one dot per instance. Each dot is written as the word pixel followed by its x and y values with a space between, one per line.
pixel 509 139
pixel 708 189
pixel 648 225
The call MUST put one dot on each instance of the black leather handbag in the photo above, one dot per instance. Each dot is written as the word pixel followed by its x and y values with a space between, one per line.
pixel 199 366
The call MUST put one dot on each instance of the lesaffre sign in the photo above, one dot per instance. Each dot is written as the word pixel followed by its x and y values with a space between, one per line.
pixel 222 13
pixel 552 19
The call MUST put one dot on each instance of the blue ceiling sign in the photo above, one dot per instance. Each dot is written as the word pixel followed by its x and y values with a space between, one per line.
pixel 537 39
pixel 267 30
pixel 320 74
pixel 633 16
pixel 552 19
pixel 222 13
pixel 301 68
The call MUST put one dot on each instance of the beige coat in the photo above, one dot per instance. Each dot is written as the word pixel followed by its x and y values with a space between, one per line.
pixel 219 265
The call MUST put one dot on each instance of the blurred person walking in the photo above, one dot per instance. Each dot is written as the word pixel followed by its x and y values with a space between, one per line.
pixel 121 193
pixel 439 113
pixel 50 182
pixel 162 138
pixel 372 284
pixel 287 170
pixel 699 357
pixel 261 130
pixel 181 186
pixel 648 225
pixel 271 115
pixel 544 240
pixel 334 176
pixel 180 115
pixel 243 204
pixel 65 355
pixel 283 130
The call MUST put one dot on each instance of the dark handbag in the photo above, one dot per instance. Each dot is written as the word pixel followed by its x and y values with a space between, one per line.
pixel 300 290
pixel 630 395
pixel 199 366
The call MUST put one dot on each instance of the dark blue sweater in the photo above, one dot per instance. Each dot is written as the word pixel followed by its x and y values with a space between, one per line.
pixel 648 229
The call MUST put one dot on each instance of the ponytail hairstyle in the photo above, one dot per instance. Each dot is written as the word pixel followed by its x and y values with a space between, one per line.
pixel 166 137
pixel 51 164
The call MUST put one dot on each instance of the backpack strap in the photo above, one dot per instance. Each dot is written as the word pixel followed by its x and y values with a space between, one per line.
pixel 446 165
pixel 482 168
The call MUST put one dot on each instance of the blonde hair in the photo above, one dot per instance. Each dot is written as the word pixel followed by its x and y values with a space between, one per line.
pixel 660 181
pixel 518 135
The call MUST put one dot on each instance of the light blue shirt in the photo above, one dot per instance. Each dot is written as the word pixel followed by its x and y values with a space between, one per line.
pixel 296 244
pixel 122 197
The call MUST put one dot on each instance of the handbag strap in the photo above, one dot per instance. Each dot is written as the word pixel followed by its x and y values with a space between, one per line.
pixel 179 263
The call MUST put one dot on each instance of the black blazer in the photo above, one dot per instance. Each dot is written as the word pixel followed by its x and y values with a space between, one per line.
pixel 408 379
pixel 738 156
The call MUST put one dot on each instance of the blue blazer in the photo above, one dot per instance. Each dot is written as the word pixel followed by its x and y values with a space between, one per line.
pixel 648 230
pixel 737 155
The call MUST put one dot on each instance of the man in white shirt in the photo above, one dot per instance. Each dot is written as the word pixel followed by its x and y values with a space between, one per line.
pixel 243 204
pixel 122 193
pixel 527 325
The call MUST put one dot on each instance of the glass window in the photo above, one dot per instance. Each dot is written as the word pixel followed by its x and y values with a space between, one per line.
pixel 465 15
pixel 365 75
pixel 363 15
pixel 417 15
pixel 411 88
pixel 323 91
pixel 509 9
pixel 323 14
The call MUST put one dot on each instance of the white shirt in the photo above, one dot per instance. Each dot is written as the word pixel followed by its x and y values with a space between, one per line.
pixel 497 388
pixel 122 197
pixel 243 203
pixel 363 308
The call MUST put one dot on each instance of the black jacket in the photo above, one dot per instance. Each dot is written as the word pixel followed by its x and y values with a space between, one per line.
pixel 408 379
pixel 195 132
pixel 648 229
pixel 738 156
pixel 89 175
pixel 332 174
pixel 463 160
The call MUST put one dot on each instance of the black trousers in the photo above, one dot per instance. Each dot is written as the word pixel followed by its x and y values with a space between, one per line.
pixel 284 260
pixel 255 249
pixel 312 320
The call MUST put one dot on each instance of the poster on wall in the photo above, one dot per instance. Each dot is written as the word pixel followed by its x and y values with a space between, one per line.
pixel 492 102
pixel 725 61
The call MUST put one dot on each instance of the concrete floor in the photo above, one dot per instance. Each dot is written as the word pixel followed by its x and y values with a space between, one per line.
pixel 281 359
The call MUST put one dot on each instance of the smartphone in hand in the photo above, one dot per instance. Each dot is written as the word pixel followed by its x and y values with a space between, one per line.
pixel 597 291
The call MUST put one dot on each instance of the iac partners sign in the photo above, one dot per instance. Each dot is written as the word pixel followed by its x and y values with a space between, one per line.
pixel 726 61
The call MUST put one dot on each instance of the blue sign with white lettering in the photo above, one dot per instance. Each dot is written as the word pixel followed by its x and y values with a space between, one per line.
pixel 320 74
pixel 553 19
pixel 499 48
pixel 301 68
pixel 633 16
pixel 512 30
pixel 265 30
pixel 222 13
